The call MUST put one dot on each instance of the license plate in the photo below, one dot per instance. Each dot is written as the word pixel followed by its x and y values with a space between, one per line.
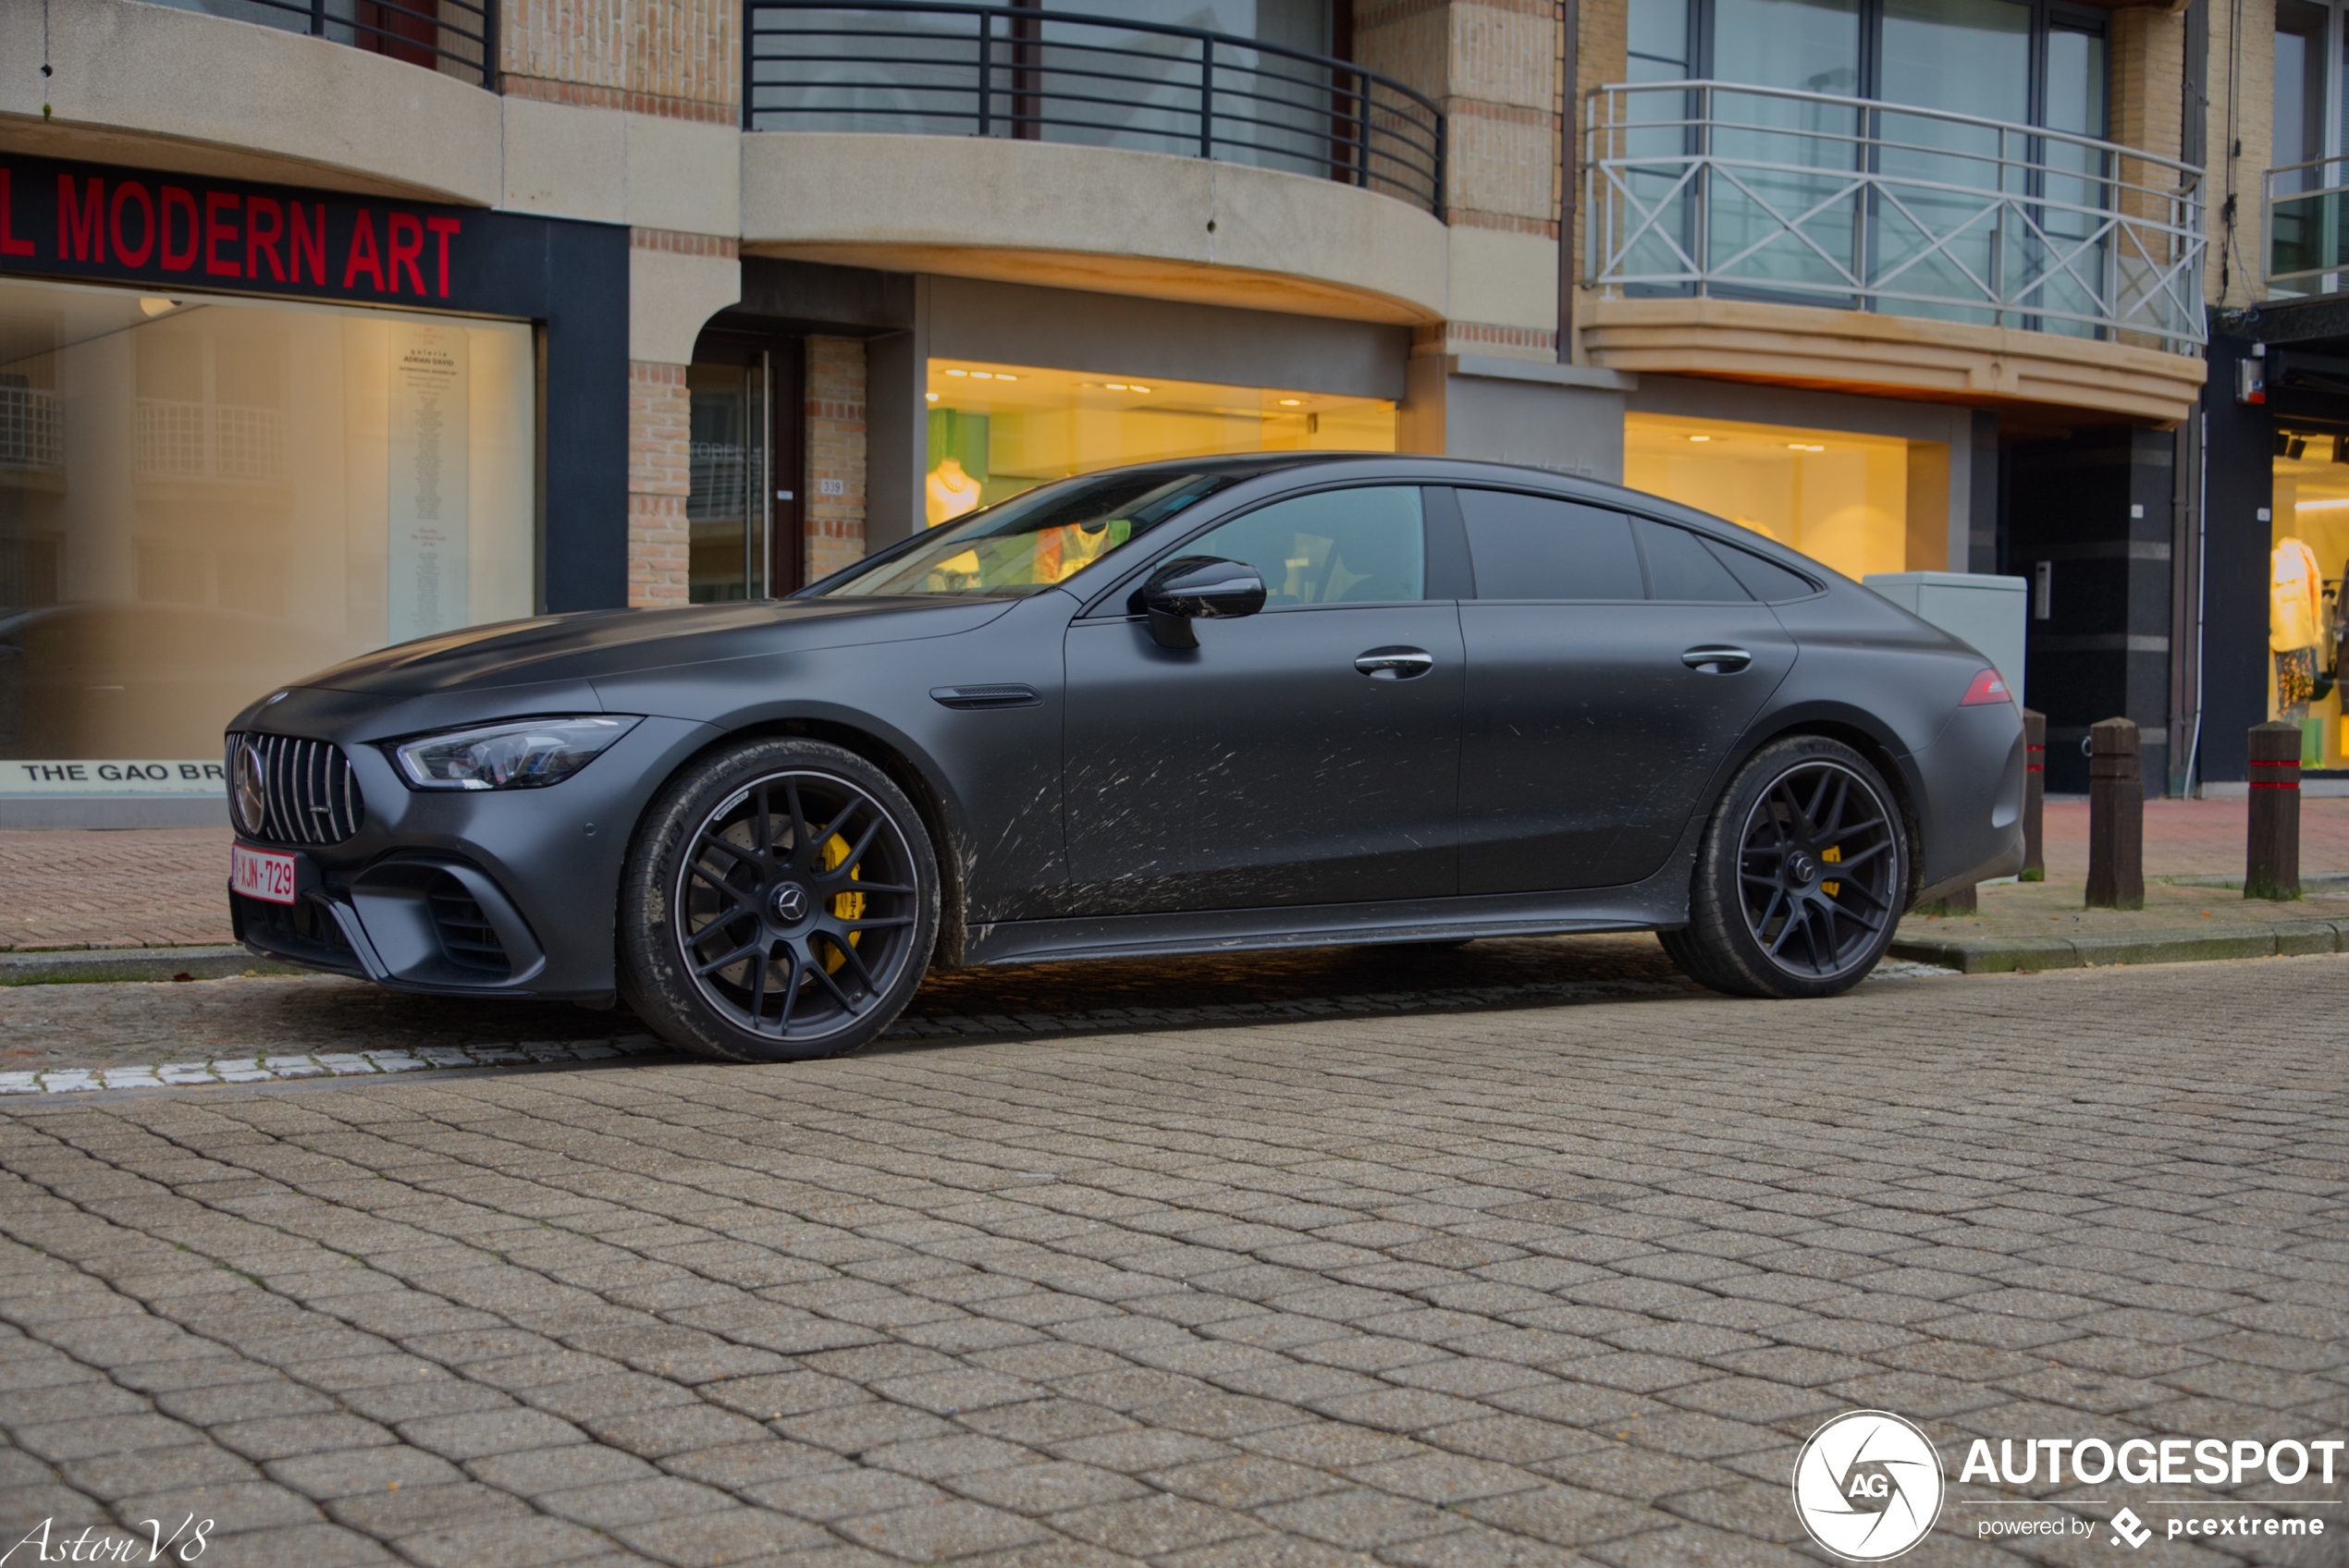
pixel 262 874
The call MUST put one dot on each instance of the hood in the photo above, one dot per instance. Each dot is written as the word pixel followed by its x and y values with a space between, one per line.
pixel 601 643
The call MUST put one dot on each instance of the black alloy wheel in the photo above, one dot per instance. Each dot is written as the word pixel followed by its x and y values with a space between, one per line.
pixel 1801 878
pixel 780 904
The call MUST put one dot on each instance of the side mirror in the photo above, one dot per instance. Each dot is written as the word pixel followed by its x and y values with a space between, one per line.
pixel 1197 588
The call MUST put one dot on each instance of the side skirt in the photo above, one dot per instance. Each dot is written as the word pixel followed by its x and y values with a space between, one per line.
pixel 1662 899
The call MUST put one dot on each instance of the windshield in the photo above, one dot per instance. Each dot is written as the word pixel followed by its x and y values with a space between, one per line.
pixel 1039 537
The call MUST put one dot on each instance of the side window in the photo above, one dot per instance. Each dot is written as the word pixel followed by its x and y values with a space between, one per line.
pixel 1766 581
pixel 1338 546
pixel 1538 548
pixel 1680 566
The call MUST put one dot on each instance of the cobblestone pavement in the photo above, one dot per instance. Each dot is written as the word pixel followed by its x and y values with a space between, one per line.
pixel 68 1026
pixel 163 886
pixel 1471 1289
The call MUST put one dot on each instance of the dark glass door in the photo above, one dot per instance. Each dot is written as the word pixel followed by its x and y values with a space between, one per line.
pixel 743 507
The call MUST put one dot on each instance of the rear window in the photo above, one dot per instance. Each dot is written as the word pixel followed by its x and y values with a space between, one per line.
pixel 1540 548
pixel 1766 581
pixel 1680 566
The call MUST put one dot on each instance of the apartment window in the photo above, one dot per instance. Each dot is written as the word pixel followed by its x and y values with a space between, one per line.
pixel 2012 62
pixel 996 430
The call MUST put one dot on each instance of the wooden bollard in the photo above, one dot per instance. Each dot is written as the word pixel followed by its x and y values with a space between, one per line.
pixel 2035 797
pixel 2116 817
pixel 2271 854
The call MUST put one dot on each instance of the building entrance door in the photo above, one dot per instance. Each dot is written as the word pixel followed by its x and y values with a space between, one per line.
pixel 744 509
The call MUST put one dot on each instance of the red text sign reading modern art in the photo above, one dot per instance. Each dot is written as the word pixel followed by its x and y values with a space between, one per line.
pixel 169 230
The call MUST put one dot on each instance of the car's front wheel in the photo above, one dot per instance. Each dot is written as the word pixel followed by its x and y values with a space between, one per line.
pixel 779 904
pixel 1802 876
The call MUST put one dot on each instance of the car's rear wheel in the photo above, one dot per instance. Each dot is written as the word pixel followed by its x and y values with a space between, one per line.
pixel 779 904
pixel 1802 876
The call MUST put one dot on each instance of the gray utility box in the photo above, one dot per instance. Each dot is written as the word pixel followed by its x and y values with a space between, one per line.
pixel 1987 612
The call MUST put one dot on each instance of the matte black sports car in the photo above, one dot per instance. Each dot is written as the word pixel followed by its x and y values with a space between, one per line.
pixel 1191 706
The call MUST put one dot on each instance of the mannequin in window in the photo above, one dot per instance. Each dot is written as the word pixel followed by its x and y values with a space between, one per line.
pixel 948 492
pixel 2296 612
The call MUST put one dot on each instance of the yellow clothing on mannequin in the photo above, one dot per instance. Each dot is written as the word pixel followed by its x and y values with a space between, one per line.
pixel 948 492
pixel 2295 597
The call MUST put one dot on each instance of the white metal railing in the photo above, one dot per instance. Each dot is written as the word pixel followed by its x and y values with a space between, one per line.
pixel 176 439
pixel 31 436
pixel 2304 245
pixel 1713 188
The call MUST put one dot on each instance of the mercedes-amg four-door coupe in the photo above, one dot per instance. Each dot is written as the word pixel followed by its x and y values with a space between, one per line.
pixel 1197 706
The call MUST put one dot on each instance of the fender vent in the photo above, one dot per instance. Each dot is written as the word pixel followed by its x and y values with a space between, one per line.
pixel 466 937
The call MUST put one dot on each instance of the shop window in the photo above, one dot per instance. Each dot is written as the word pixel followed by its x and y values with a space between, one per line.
pixel 1858 504
pixel 2308 556
pixel 200 500
pixel 996 430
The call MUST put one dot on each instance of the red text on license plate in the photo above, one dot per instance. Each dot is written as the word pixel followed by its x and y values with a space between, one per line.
pixel 258 874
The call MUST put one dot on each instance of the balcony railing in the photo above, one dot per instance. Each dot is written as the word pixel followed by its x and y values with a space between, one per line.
pixel 2308 243
pixel 176 440
pixel 1712 188
pixel 453 37
pixel 31 435
pixel 1024 74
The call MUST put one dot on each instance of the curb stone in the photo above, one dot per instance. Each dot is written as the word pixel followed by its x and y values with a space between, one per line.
pixel 1991 955
pixel 81 966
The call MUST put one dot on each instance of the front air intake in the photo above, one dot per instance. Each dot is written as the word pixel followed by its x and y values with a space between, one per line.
pixel 307 793
pixel 467 938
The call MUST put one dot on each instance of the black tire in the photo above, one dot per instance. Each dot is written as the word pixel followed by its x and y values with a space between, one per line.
pixel 778 903
pixel 1801 878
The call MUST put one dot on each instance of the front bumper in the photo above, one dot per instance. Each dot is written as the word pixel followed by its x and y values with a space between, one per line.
pixel 472 893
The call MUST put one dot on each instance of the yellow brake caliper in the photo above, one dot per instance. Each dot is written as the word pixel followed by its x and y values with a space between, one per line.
pixel 845 906
pixel 1831 854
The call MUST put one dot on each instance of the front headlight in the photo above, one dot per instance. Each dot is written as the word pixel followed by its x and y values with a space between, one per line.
pixel 526 754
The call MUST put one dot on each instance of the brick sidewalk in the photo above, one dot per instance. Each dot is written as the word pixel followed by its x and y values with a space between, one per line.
pixel 147 887
pixel 163 887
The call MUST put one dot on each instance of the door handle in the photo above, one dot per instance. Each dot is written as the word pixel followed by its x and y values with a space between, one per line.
pixel 1395 663
pixel 1716 659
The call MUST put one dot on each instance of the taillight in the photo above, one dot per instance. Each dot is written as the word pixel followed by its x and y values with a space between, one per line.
pixel 1989 687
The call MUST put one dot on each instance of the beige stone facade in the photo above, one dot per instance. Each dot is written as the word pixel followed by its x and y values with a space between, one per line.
pixel 629 112
pixel 835 437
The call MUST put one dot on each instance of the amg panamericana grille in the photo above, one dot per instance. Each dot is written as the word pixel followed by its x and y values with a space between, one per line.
pixel 308 795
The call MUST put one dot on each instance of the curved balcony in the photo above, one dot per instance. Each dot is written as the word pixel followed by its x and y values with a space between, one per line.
pixel 1019 73
pixel 448 36
pixel 1729 193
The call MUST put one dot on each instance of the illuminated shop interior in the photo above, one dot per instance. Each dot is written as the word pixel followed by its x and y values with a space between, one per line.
pixel 1859 504
pixel 2309 554
pixel 997 430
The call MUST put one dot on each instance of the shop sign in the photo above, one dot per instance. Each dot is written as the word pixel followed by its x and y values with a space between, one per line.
pixel 172 776
pixel 168 231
